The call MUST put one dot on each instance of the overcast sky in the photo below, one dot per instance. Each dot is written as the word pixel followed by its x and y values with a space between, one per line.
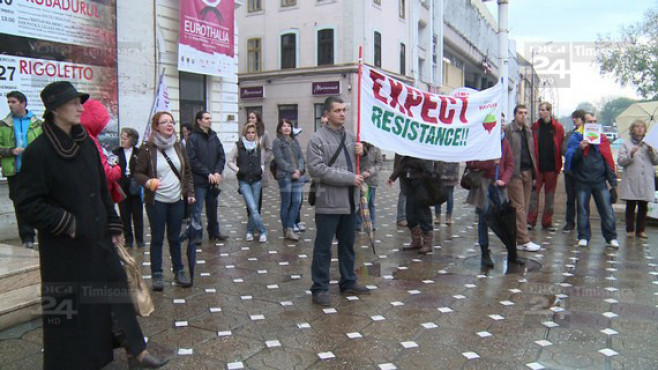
pixel 571 27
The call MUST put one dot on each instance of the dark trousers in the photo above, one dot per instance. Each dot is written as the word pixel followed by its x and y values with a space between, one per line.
pixel 570 187
pixel 418 214
pixel 634 223
pixel 25 231
pixel 167 216
pixel 328 226
pixel 132 215
pixel 204 195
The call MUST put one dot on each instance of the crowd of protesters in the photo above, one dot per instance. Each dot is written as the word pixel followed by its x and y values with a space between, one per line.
pixel 173 179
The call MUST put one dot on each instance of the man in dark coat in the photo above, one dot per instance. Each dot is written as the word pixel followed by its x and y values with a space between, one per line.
pixel 63 193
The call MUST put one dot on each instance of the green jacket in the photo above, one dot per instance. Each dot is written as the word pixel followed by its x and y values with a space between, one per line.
pixel 8 142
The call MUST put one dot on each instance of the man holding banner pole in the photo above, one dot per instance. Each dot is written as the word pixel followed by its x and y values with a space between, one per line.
pixel 331 161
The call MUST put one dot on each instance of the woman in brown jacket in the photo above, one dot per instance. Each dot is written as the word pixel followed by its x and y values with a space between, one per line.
pixel 164 172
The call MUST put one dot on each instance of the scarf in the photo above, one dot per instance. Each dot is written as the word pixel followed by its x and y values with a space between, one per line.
pixel 249 145
pixel 636 139
pixel 66 147
pixel 162 143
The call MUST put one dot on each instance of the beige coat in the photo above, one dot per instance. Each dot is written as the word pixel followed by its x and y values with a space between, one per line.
pixel 638 179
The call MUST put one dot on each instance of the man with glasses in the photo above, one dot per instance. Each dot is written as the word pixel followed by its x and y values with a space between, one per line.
pixel 592 166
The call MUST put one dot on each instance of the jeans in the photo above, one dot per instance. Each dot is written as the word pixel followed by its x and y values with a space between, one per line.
pixel 570 187
pixel 450 204
pixel 418 214
pixel 203 194
pixel 131 211
pixel 371 207
pixel 328 226
pixel 169 215
pixel 291 200
pixel 602 199
pixel 250 193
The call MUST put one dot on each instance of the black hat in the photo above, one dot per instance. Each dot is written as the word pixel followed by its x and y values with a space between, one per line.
pixel 58 93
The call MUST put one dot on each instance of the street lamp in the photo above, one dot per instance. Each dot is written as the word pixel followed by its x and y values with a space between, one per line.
pixel 532 80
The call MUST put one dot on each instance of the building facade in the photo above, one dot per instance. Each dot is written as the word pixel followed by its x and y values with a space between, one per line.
pixel 293 53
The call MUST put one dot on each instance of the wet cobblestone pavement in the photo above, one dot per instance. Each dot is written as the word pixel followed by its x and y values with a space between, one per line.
pixel 571 307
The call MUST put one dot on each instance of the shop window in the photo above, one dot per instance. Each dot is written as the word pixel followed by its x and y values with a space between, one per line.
pixel 289 112
pixel 192 92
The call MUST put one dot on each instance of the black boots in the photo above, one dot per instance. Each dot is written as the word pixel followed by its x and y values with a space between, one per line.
pixel 486 257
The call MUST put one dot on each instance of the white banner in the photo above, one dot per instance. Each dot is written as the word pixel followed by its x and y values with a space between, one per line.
pixel 400 118
pixel 160 104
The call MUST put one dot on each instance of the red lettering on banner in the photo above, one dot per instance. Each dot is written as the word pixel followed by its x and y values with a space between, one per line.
pixel 377 86
pixel 446 115
pixel 67 71
pixel 74 6
pixel 428 104
pixel 414 99
pixel 462 114
pixel 396 90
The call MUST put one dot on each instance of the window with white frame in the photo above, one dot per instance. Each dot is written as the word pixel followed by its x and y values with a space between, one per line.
pixel 288 50
pixel 378 49
pixel 325 47
pixel 287 3
pixel 254 6
pixel 254 55
pixel 402 8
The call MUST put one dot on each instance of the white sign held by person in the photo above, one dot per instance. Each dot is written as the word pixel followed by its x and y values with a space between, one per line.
pixel 398 117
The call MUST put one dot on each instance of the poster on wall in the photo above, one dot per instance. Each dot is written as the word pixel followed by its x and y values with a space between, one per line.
pixel 52 40
pixel 206 43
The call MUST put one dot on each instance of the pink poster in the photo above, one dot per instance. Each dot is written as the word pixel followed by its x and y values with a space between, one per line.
pixel 206 43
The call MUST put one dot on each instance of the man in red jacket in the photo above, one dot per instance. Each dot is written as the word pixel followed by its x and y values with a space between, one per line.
pixel 547 135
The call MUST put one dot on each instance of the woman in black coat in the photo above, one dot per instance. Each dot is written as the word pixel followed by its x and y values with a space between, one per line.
pixel 62 191
pixel 131 208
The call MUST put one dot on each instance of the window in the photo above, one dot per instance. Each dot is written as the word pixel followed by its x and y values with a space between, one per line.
pixel 402 8
pixel 287 3
pixel 254 6
pixel 403 59
pixel 288 50
pixel 378 2
pixel 378 49
pixel 254 55
pixel 319 111
pixel 289 112
pixel 192 96
pixel 325 47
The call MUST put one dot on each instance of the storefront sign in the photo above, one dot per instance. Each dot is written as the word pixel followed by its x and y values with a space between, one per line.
pixel 252 92
pixel 326 88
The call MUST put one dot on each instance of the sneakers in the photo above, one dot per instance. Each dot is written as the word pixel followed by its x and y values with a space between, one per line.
pixel 182 280
pixel 449 220
pixel 437 219
pixel 529 247
pixel 262 238
pixel 614 243
pixel 355 289
pixel 249 237
pixel 29 244
pixel 301 226
pixel 568 227
pixel 321 298
pixel 643 235
pixel 289 234
pixel 583 243
pixel 402 223
pixel 530 227
pixel 549 228
pixel 158 284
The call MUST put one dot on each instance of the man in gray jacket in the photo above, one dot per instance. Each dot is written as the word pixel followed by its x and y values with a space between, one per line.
pixel 337 198
pixel 519 136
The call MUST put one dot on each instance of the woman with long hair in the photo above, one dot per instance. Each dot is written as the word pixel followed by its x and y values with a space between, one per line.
pixel 290 166
pixel 247 161
pixel 164 172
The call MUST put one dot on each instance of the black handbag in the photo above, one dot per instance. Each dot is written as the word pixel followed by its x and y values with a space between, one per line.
pixel 435 192
pixel 314 185
pixel 613 195
pixel 471 178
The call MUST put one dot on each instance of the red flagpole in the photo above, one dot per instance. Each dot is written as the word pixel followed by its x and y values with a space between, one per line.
pixel 358 117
